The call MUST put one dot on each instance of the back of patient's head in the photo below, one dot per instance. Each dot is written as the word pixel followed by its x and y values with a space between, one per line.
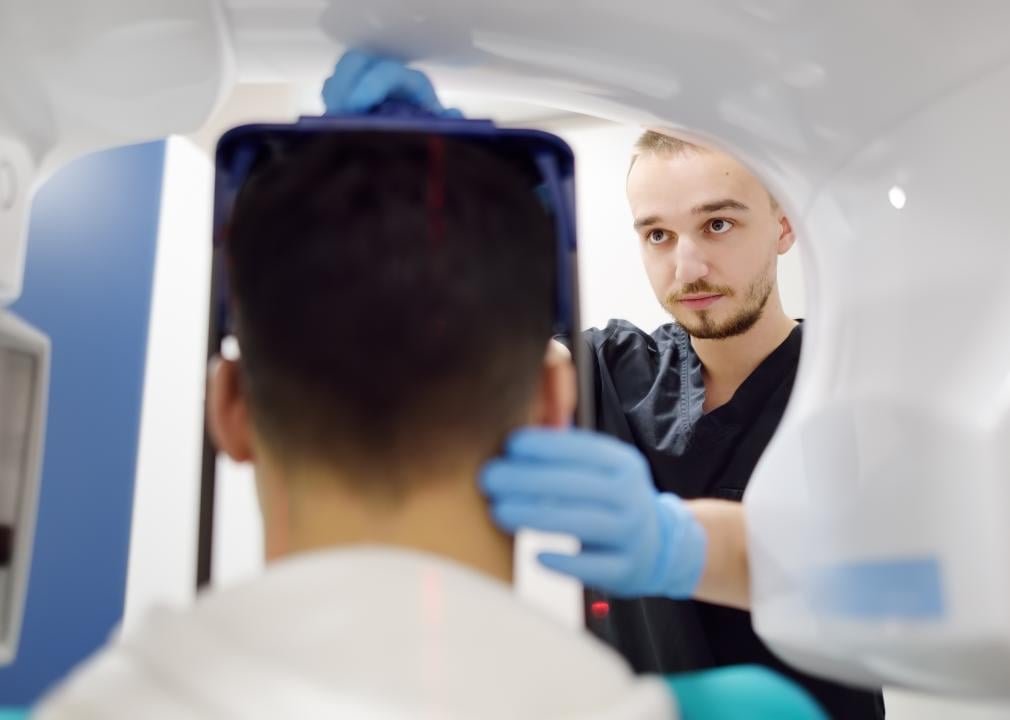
pixel 393 296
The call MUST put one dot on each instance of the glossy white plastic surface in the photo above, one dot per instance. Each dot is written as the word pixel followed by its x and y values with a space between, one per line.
pixel 82 76
pixel 891 469
pixel 881 127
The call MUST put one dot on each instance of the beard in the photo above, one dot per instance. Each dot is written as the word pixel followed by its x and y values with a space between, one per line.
pixel 705 327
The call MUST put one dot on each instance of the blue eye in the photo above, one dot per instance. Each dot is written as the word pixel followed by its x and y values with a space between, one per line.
pixel 655 237
pixel 720 226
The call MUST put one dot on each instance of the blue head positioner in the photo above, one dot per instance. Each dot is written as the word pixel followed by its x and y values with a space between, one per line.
pixel 240 149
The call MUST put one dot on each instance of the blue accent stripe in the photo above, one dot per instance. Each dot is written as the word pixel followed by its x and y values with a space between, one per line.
pixel 90 263
pixel 908 589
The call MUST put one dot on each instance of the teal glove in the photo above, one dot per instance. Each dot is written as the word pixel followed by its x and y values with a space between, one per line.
pixel 635 541
pixel 361 82
pixel 745 692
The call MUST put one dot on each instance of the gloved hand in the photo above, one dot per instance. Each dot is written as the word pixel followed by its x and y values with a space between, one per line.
pixel 635 540
pixel 362 81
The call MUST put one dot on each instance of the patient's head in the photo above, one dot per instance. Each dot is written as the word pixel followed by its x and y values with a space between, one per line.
pixel 393 297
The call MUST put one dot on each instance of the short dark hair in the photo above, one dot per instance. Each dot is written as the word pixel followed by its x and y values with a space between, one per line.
pixel 393 296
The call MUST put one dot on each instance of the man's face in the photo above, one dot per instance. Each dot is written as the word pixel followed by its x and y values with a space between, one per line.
pixel 709 237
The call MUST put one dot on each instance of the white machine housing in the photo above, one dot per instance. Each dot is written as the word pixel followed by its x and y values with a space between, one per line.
pixel 878 518
pixel 83 76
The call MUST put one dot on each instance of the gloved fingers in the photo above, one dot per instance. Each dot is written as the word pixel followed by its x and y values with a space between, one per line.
pixel 418 88
pixel 589 525
pixel 508 478
pixel 349 69
pixel 391 79
pixel 601 570
pixel 575 446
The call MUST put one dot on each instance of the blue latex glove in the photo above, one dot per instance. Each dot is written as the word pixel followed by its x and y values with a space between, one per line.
pixel 635 541
pixel 361 82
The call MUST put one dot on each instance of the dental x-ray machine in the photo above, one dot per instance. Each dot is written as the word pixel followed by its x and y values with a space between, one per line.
pixel 879 519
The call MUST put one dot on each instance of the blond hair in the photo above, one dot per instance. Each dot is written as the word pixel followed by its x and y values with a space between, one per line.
pixel 651 142
pixel 656 143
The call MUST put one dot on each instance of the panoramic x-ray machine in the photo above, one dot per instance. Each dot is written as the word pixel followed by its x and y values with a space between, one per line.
pixel 879 519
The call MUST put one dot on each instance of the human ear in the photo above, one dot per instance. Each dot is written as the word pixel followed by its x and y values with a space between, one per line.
pixel 228 411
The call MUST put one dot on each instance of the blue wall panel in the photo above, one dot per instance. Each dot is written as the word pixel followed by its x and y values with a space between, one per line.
pixel 90 264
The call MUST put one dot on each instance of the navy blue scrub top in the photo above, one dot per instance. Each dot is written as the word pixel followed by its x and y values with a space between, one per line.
pixel 650 392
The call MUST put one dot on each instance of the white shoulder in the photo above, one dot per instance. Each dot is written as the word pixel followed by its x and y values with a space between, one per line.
pixel 113 685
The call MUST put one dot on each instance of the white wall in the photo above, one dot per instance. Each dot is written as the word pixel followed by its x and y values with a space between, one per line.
pixel 612 280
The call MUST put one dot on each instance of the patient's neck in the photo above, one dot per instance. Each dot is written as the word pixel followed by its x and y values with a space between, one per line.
pixel 446 516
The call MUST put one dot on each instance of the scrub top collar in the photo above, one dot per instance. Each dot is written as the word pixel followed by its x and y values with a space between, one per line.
pixel 754 391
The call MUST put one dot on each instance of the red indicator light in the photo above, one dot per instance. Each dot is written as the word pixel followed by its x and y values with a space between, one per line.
pixel 599 609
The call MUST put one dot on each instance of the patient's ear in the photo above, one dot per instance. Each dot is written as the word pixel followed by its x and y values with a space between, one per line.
pixel 554 404
pixel 228 411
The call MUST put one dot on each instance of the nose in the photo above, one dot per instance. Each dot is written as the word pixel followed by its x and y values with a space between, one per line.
pixel 691 264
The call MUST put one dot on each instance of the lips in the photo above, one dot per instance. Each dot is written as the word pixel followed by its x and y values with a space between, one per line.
pixel 699 302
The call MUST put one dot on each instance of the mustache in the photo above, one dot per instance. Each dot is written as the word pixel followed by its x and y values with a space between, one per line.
pixel 699 287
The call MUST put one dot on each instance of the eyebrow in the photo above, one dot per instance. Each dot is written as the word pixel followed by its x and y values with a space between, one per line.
pixel 717 205
pixel 650 220
pixel 704 209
